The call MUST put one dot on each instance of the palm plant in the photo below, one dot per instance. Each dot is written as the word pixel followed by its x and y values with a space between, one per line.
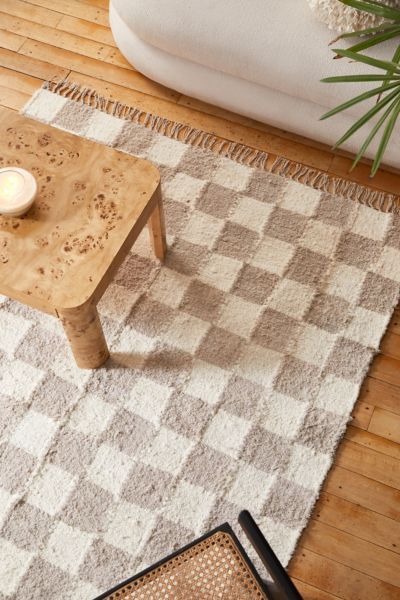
pixel 387 76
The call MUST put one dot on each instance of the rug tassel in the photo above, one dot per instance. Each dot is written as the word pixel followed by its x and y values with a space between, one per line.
pixel 240 153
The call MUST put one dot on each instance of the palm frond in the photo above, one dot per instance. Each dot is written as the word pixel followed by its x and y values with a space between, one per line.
pixel 387 65
pixel 360 98
pixel 387 93
pixel 374 7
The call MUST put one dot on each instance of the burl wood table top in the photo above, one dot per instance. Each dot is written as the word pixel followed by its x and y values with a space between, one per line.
pixel 91 205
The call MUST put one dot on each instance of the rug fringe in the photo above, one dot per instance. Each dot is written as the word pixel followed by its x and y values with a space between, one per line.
pixel 246 155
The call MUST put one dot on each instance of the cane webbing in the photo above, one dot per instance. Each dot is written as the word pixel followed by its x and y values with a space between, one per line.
pixel 212 568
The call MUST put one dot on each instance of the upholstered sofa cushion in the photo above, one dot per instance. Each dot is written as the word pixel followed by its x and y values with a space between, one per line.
pixel 273 43
pixel 261 58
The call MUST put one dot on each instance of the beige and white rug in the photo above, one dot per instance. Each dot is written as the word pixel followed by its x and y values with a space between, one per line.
pixel 234 367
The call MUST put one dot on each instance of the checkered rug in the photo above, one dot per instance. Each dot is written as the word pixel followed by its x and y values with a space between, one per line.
pixel 234 370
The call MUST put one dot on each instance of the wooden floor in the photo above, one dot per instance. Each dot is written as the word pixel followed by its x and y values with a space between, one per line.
pixel 351 548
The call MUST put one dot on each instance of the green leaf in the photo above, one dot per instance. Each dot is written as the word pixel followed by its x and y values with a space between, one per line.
pixel 356 78
pixel 375 8
pixel 365 118
pixel 372 62
pixel 368 31
pixel 389 72
pixel 360 98
pixel 374 41
pixel 372 134
pixel 396 56
pixel 385 139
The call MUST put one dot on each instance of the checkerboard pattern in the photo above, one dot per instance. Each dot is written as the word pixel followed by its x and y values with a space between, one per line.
pixel 234 370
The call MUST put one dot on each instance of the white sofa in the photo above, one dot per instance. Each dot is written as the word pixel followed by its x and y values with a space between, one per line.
pixel 260 58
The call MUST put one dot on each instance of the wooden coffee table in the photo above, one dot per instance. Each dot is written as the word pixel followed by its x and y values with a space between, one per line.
pixel 92 204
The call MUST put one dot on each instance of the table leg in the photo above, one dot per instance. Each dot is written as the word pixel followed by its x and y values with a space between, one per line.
pixel 85 334
pixel 157 229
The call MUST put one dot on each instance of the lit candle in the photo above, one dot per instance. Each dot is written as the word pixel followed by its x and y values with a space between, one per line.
pixel 17 191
